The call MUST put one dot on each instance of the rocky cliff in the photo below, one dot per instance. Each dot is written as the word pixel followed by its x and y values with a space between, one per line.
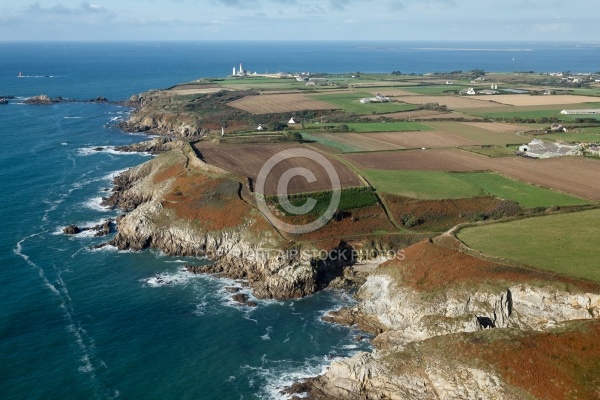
pixel 182 206
pixel 408 310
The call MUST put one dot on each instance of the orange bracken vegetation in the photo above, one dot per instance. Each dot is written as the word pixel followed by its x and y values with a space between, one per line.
pixel 211 202
pixel 353 223
pixel 552 365
pixel 427 266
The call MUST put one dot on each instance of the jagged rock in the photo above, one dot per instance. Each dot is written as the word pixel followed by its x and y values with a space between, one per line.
pixel 241 298
pixel 72 230
pixel 102 229
pixel 154 146
pixel 41 99
pixel 136 190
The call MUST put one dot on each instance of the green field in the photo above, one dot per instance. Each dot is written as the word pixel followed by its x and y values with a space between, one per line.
pixel 528 196
pixel 364 127
pixel 350 103
pixel 572 137
pixel 434 90
pixel 565 243
pixel 425 185
pixel 331 143
pixel 532 114
pixel 350 198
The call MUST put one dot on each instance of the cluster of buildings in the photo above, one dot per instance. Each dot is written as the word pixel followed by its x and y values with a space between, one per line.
pixel 379 98
pixel 540 149
pixel 585 111
pixel 577 78
pixel 471 91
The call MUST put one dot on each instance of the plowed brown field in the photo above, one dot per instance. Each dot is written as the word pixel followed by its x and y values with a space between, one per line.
pixel 248 160
pixel 412 140
pixel 279 103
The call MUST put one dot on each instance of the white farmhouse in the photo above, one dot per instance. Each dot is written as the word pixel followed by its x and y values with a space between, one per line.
pixel 540 149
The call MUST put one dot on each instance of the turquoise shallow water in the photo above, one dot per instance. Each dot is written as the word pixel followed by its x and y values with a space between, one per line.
pixel 82 323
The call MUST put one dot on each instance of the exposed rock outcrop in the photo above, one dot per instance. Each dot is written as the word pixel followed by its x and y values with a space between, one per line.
pixel 164 124
pixel 42 99
pixel 155 146
pixel 103 229
pixel 245 247
pixel 406 320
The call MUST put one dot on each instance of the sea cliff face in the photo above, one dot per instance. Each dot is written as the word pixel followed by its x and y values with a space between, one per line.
pixel 414 329
pixel 178 204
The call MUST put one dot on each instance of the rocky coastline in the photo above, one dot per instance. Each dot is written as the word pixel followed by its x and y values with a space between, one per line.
pixel 413 329
pixel 43 99
pixel 429 332
pixel 262 258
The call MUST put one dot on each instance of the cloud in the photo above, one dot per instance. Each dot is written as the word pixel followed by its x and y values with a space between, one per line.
pixel 241 4
pixel 58 19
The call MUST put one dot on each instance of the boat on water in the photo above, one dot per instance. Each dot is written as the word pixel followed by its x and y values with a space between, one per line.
pixel 20 75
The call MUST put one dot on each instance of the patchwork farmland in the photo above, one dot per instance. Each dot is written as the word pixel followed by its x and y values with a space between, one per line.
pixel 248 159
pixel 576 176
pixel 279 103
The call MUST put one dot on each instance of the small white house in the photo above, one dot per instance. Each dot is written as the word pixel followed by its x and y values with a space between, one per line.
pixel 260 127
pixel 292 121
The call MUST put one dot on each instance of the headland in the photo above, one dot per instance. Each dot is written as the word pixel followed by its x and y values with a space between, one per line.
pixel 444 186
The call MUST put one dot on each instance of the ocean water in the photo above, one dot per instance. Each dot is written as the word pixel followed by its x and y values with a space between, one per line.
pixel 82 323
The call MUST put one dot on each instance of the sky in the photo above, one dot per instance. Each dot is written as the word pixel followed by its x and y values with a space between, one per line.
pixel 458 20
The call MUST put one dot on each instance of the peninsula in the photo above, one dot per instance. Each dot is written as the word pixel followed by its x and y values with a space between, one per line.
pixel 466 229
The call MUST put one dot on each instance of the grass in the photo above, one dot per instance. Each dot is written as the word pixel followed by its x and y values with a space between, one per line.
pixel 526 195
pixel 495 151
pixel 331 143
pixel 573 137
pixel 533 114
pixel 425 185
pixel 350 199
pixel 364 127
pixel 435 89
pixel 350 103
pixel 564 243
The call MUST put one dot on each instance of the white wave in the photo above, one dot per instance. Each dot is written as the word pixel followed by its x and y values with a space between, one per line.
pixel 95 204
pixel 267 336
pixel 64 144
pixel 107 248
pixel 111 176
pixel 18 250
pixel 93 150
pixel 181 277
pixel 84 342
pixel 282 374
pixel 72 117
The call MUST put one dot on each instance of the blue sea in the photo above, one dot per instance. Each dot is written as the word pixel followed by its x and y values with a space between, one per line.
pixel 98 324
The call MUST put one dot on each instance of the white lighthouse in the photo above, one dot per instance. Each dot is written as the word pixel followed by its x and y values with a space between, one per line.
pixel 234 73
